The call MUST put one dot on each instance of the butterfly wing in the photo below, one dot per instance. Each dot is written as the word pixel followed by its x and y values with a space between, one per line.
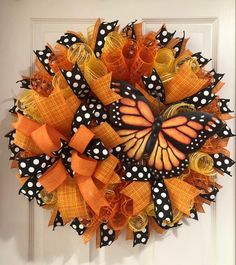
pixel 180 136
pixel 133 118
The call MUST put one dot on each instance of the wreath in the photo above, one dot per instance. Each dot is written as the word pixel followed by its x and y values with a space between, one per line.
pixel 120 131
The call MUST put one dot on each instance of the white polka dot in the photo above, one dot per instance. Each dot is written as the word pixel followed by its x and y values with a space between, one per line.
pixel 138 235
pixel 69 74
pixel 109 27
pixel 203 101
pixel 156 190
pixel 143 239
pixel 35 161
pixel 100 43
pixel 110 232
pixel 43 165
pixel 31 169
pixel 105 238
pixel 30 192
pixel 96 151
pixel 23 164
pixel 87 115
pixel 30 184
pixel 166 207
pixel 78 119
pixel 77 77
pixel 105 152
pixel 206 93
pixel 140 174
pixel 163 195
pixel 128 175
pixel 195 99
pixel 153 77
pixel 161 214
pixel 159 201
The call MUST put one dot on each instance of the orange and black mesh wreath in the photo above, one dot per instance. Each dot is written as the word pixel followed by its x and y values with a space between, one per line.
pixel 120 131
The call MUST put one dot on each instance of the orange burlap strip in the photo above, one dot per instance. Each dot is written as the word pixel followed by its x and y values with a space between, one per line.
pixel 105 169
pixel 90 231
pixel 69 201
pixel 81 139
pixel 139 193
pixel 101 87
pixel 107 134
pixel 73 102
pixel 84 169
pixel 26 143
pixel 55 111
pixel 181 194
pixel 54 176
pixel 184 84
pixel 25 125
pixel 47 139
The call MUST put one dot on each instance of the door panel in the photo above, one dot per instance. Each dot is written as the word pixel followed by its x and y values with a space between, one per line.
pixel 32 24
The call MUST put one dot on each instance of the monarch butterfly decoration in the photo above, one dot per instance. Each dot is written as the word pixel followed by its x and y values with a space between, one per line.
pixel 162 144
pixel 159 146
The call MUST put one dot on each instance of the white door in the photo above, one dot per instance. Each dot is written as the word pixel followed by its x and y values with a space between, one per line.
pixel 29 24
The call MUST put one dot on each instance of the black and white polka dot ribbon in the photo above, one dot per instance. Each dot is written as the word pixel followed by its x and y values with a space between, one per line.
pixel 223 163
pixel 65 153
pixel 129 30
pixel 15 150
pixel 141 237
pixel 216 77
pixel 201 98
pixel 99 112
pixel 162 203
pixel 43 57
pixel 15 108
pixel 58 221
pixel 223 104
pixel 107 235
pixel 68 39
pixel 164 36
pixel 10 136
pixel 193 214
pixel 78 226
pixel 25 83
pixel 31 188
pixel 77 82
pixel 96 150
pixel 154 85
pixel 225 132
pixel 35 166
pixel 200 59
pixel 211 196
pixel 178 47
pixel 104 29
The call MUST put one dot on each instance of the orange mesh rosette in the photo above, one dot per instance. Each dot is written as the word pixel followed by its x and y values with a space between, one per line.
pixel 120 130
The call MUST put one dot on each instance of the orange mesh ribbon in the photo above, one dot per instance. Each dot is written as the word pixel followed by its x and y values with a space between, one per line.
pixel 184 84
pixel 101 87
pixel 139 193
pixel 181 194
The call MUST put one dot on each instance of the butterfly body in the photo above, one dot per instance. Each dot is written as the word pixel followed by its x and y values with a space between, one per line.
pixel 164 144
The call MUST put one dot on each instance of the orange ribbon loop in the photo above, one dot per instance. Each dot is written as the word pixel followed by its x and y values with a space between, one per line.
pixel 84 169
pixel 81 139
pixel 54 176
